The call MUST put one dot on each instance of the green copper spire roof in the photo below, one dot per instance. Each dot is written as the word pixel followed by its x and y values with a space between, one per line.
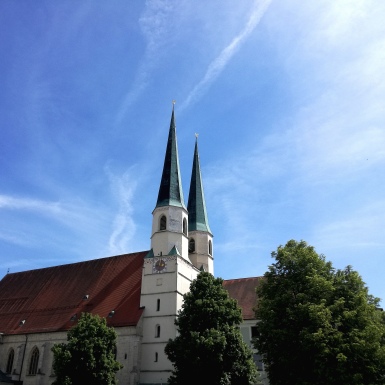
pixel 174 251
pixel 170 190
pixel 196 207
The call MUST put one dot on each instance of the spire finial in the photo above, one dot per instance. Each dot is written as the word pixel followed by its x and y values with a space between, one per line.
pixel 196 135
pixel 173 104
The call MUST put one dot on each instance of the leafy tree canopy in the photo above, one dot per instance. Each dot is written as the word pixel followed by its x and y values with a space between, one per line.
pixel 318 325
pixel 209 348
pixel 88 357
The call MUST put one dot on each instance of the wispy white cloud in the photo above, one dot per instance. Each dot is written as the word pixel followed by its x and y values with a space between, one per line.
pixel 155 23
pixel 72 214
pixel 155 26
pixel 336 128
pixel 50 216
pixel 164 22
pixel 123 227
pixel 44 207
pixel 16 239
pixel 339 130
pixel 319 166
pixel 218 64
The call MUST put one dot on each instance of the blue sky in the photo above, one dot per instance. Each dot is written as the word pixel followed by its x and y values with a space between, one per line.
pixel 287 98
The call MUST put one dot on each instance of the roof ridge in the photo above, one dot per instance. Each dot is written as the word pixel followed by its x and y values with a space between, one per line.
pixel 238 279
pixel 78 262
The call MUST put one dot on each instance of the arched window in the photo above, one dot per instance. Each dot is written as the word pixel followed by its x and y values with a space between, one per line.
pixel 191 245
pixel 11 356
pixel 158 304
pixel 184 226
pixel 34 361
pixel 156 356
pixel 157 331
pixel 163 223
pixel 210 248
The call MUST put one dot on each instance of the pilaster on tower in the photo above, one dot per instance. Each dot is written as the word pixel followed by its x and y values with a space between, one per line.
pixel 170 218
pixel 200 236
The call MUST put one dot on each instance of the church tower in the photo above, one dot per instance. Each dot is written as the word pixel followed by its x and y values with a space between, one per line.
pixel 167 269
pixel 170 218
pixel 200 236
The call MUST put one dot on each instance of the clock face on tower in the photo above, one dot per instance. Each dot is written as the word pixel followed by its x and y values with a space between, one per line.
pixel 159 265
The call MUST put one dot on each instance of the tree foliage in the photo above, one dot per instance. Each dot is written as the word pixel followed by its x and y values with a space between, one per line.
pixel 88 357
pixel 209 348
pixel 318 325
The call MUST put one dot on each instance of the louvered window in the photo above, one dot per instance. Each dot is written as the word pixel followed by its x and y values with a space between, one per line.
pixel 184 226
pixel 163 223
pixel 191 245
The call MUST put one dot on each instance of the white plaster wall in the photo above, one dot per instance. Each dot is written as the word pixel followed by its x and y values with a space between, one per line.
pixel 23 346
pixel 148 269
pixel 128 354
pixel 153 283
pixel 163 241
pixel 245 328
pixel 201 256
pixel 186 274
pixel 155 377
pixel 168 287
pixel 128 345
pixel 167 328
pixel 202 242
pixel 167 304
pixel 174 215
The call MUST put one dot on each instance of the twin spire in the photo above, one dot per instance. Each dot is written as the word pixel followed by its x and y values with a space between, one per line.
pixel 170 190
pixel 196 207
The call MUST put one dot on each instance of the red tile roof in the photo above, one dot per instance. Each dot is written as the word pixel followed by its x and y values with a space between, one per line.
pixel 243 290
pixel 47 298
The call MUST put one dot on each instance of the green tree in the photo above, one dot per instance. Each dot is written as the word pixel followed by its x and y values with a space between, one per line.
pixel 209 347
pixel 318 325
pixel 88 357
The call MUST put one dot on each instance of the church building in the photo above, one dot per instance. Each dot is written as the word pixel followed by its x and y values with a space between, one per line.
pixel 139 293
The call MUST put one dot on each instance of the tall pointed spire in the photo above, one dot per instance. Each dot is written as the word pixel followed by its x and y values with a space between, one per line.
pixel 170 190
pixel 196 207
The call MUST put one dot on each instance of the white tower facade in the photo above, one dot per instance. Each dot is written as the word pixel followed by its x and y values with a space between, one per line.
pixel 167 271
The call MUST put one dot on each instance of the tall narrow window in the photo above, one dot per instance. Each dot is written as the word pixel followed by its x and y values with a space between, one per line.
pixel 34 361
pixel 114 351
pixel 156 356
pixel 11 357
pixel 163 223
pixel 184 226
pixel 157 331
pixel 210 248
pixel 158 304
pixel 191 245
